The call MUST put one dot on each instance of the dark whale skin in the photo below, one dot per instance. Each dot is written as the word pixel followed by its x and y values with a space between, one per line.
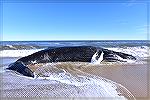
pixel 21 68
pixel 110 56
pixel 64 54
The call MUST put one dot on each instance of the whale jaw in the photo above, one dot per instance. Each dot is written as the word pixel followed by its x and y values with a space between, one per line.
pixel 18 66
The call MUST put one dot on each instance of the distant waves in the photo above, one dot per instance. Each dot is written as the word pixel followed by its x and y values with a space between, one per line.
pixel 20 47
pixel 26 45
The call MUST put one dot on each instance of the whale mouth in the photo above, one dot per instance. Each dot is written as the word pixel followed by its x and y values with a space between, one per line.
pixel 18 66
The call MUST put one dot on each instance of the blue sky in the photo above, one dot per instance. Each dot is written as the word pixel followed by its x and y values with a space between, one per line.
pixel 74 21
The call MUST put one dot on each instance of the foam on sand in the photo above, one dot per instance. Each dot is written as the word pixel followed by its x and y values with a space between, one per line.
pixel 95 86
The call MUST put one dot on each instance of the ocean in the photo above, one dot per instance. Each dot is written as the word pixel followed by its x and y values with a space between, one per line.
pixel 16 45
pixel 136 48
pixel 75 78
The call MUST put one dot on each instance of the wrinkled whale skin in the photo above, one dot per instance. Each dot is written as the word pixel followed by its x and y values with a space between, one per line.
pixel 64 54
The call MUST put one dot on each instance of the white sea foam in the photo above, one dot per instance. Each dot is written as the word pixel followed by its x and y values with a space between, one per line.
pixel 97 61
pixel 10 46
pixel 138 52
pixel 91 88
pixel 99 87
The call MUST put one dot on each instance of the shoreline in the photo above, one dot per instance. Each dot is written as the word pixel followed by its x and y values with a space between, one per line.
pixel 133 76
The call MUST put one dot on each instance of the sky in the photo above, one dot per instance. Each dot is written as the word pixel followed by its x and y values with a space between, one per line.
pixel 74 21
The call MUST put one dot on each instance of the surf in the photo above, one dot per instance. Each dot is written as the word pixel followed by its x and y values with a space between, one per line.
pixel 71 73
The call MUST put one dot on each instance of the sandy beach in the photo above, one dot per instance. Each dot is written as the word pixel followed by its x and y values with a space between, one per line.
pixel 133 76
pixel 75 50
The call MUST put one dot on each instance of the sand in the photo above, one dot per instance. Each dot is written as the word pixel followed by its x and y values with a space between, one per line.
pixel 135 77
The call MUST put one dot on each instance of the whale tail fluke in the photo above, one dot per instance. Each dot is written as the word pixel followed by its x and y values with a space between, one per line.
pixel 18 66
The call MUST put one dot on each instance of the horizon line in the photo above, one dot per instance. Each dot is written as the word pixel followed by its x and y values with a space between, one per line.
pixel 73 40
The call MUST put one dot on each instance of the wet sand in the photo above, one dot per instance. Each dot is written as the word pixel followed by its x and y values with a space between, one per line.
pixel 135 77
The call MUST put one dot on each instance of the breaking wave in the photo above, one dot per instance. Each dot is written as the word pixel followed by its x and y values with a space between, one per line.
pixel 17 53
pixel 20 47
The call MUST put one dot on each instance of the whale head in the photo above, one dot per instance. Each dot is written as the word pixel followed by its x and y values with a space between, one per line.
pixel 18 66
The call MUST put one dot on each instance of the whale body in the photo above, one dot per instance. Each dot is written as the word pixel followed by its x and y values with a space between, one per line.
pixel 64 54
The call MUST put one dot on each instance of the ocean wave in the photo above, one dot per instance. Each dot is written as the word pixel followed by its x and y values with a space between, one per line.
pixel 17 53
pixel 20 47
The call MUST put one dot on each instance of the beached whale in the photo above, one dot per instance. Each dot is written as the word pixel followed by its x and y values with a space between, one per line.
pixel 64 54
